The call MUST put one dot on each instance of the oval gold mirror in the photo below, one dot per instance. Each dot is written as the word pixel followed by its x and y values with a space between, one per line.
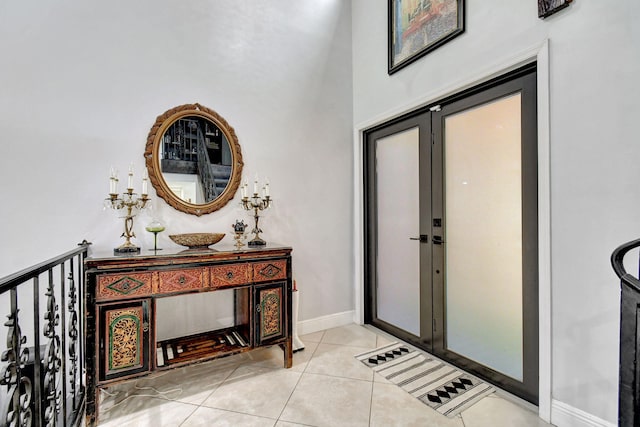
pixel 194 159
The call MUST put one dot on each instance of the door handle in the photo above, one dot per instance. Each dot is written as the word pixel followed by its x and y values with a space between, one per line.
pixel 437 240
pixel 424 238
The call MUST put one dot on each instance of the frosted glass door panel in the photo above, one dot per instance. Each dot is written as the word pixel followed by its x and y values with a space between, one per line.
pixel 483 219
pixel 397 176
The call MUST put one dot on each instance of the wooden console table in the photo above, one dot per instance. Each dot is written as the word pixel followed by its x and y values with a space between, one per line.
pixel 120 312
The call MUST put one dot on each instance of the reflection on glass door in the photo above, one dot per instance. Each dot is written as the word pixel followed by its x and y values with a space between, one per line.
pixel 398 266
pixel 483 250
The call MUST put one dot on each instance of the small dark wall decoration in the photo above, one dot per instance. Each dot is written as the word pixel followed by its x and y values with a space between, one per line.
pixel 549 7
pixel 416 27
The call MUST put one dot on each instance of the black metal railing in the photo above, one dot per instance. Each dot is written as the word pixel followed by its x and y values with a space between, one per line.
pixel 629 381
pixel 42 380
pixel 205 171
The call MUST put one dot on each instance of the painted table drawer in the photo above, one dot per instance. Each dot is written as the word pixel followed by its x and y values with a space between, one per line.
pixel 116 286
pixel 182 280
pixel 230 275
pixel 270 270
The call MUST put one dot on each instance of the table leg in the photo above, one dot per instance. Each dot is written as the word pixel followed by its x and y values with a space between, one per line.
pixel 288 352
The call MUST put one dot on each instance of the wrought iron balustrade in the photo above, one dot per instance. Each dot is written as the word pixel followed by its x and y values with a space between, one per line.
pixel 42 375
pixel 204 169
pixel 629 379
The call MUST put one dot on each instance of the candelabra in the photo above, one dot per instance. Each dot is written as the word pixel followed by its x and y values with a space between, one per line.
pixel 132 205
pixel 256 203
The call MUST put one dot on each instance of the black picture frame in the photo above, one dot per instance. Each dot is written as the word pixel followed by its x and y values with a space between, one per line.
pixel 549 7
pixel 417 27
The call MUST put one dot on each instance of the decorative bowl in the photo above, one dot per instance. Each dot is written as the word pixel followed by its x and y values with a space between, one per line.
pixel 197 240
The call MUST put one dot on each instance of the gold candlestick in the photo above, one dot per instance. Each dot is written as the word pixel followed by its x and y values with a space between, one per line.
pixel 256 203
pixel 132 205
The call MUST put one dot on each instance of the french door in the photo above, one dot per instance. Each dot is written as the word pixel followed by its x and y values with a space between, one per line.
pixel 451 231
pixel 397 223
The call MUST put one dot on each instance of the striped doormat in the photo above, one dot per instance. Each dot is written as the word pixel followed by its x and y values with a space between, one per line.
pixel 440 386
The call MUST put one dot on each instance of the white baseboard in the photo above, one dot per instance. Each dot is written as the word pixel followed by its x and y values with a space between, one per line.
pixel 325 322
pixel 563 415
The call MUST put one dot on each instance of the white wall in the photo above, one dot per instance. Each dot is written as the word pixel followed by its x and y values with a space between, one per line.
pixel 81 84
pixel 594 64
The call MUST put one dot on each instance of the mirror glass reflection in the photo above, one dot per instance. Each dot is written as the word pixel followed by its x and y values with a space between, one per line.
pixel 195 159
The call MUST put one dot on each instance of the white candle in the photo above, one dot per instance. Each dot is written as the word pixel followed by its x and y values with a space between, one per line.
pixel 243 189
pixel 255 185
pixel 266 188
pixel 115 180
pixel 145 176
pixel 130 181
pixel 112 183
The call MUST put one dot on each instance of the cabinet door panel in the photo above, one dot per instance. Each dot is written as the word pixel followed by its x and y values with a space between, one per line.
pixel 124 339
pixel 270 312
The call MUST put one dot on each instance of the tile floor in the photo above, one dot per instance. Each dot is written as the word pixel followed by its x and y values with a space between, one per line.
pixel 326 386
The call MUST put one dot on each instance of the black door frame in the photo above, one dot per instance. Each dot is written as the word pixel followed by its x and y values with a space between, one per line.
pixel 432 339
pixel 526 86
pixel 422 121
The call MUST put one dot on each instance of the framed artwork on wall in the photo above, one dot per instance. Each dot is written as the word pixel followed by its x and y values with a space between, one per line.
pixel 549 7
pixel 416 27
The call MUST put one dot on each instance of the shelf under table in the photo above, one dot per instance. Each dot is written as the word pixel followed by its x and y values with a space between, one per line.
pixel 184 349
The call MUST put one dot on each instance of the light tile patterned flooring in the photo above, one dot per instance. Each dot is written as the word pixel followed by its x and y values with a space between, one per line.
pixel 326 386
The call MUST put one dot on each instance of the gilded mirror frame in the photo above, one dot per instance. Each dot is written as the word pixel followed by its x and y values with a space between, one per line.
pixel 152 158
